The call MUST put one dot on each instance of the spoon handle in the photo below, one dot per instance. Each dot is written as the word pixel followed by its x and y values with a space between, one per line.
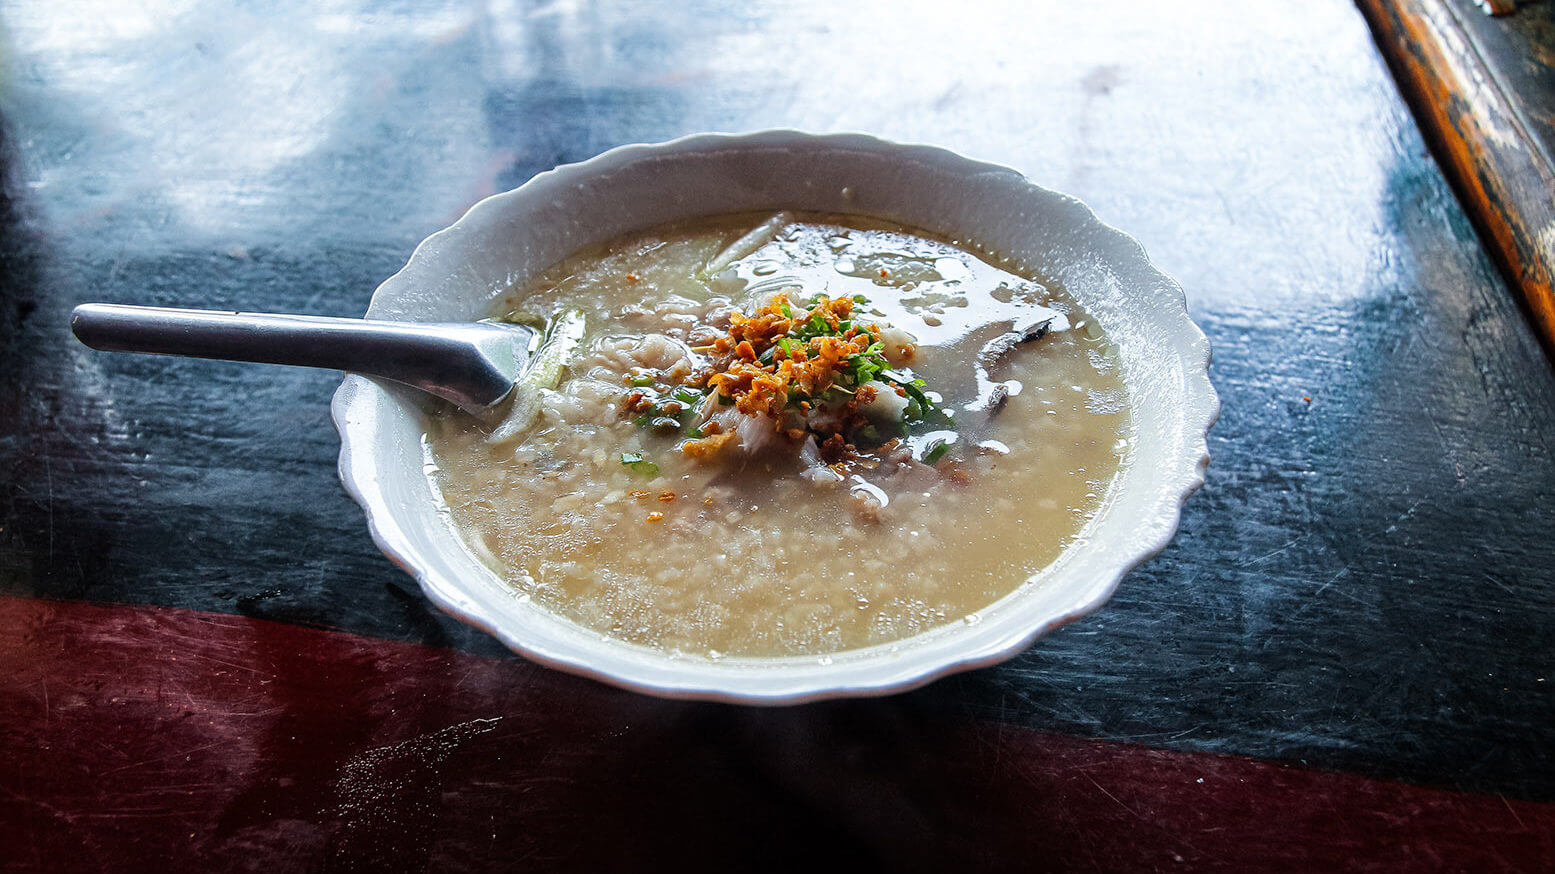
pixel 473 365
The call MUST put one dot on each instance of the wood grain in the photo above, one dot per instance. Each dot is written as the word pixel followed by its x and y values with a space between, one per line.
pixel 189 739
pixel 1364 584
pixel 1476 126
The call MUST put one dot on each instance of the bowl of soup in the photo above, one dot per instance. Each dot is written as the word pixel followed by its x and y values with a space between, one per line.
pixel 807 416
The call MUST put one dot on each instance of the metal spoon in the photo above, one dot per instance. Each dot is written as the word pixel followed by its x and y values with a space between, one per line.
pixel 474 365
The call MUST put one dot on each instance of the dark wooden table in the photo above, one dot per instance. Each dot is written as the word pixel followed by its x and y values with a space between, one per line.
pixel 1344 661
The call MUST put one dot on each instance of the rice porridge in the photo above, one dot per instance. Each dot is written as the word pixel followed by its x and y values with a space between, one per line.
pixel 789 434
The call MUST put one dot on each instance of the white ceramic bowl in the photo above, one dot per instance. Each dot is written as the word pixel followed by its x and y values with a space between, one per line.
pixel 508 238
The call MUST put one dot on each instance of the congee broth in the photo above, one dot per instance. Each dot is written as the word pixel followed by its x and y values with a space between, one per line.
pixel 786 435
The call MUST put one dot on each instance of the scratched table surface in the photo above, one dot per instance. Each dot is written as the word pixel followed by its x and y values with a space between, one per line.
pixel 1344 660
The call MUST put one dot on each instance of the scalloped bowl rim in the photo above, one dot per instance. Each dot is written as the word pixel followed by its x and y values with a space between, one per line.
pixel 360 408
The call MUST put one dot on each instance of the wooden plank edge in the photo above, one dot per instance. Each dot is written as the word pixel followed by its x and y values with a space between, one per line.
pixel 1502 175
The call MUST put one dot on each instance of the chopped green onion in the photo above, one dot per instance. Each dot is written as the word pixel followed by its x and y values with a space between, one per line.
pixel 687 396
pixel 939 417
pixel 641 381
pixel 913 387
pixel 638 464
pixel 808 326
pixel 936 453
pixel 836 393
